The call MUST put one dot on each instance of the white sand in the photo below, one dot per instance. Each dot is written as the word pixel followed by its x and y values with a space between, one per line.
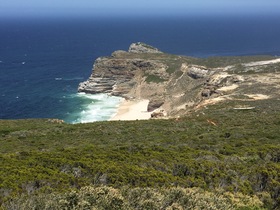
pixel 228 88
pixel 258 96
pixel 133 110
pixel 261 63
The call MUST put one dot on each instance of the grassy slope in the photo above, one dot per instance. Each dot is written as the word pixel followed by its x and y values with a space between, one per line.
pixel 240 154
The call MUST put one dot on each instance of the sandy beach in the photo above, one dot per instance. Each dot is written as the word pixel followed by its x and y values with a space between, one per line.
pixel 132 110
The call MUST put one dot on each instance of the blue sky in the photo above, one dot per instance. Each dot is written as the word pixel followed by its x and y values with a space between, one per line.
pixel 18 8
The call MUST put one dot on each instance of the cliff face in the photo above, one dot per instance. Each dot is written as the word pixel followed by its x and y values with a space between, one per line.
pixel 119 73
pixel 175 84
pixel 139 73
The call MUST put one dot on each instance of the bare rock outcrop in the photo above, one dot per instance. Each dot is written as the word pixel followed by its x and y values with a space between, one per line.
pixel 119 74
pixel 175 84
pixel 108 75
pixel 197 72
pixel 140 47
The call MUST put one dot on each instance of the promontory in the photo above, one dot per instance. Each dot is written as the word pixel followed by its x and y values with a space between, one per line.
pixel 176 85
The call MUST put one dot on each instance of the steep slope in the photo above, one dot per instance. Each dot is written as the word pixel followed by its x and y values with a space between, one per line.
pixel 179 84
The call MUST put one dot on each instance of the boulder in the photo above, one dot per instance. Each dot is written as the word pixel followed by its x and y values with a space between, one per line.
pixel 157 114
pixel 154 104
pixel 197 72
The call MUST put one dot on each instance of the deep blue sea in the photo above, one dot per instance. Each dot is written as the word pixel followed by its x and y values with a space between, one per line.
pixel 42 61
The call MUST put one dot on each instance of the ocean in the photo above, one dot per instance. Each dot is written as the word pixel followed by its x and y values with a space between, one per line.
pixel 42 61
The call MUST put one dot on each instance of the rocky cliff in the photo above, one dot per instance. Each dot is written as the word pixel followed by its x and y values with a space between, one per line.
pixel 179 84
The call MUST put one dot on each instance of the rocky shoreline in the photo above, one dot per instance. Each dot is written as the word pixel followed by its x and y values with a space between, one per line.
pixel 175 85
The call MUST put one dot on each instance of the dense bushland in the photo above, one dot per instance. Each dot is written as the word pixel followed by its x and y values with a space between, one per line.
pixel 91 197
pixel 238 154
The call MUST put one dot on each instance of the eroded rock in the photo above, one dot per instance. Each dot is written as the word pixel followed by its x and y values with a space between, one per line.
pixel 197 72
pixel 169 82
pixel 140 47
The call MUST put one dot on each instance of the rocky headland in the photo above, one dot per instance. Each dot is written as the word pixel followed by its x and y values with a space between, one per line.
pixel 176 85
pixel 223 152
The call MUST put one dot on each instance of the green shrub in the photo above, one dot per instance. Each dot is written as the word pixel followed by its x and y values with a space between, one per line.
pixel 103 198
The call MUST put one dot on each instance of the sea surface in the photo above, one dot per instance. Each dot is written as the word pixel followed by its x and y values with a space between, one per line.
pixel 42 61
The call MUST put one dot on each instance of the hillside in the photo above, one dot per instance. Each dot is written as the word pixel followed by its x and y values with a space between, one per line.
pixel 220 152
pixel 215 148
pixel 177 85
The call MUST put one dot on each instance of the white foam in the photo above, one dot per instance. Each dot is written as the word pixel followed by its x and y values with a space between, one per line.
pixel 101 108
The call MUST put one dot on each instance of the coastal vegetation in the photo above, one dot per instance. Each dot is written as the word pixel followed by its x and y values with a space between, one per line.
pixel 219 156
pixel 217 148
